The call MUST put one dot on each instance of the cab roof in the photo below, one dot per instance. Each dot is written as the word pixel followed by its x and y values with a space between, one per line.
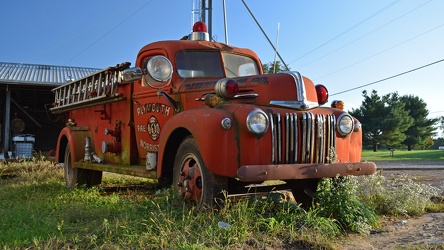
pixel 172 46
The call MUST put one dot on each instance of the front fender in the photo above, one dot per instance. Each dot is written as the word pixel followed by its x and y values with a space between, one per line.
pixel 218 146
pixel 75 137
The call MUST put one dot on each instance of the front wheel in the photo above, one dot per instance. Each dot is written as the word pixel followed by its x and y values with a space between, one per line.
pixel 79 177
pixel 193 181
pixel 304 190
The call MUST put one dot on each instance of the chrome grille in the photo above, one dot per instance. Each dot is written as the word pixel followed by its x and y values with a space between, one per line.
pixel 304 139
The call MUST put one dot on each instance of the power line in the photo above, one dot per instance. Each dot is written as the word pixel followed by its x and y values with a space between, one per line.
pixel 365 59
pixel 388 78
pixel 109 31
pixel 100 22
pixel 346 31
pixel 265 34
pixel 359 38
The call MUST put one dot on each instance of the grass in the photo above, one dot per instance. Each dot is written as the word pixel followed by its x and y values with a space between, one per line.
pixel 403 155
pixel 37 211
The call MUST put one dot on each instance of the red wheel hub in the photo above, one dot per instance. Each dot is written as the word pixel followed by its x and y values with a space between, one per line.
pixel 190 181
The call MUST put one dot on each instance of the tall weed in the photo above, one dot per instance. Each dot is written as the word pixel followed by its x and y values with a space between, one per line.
pixel 397 196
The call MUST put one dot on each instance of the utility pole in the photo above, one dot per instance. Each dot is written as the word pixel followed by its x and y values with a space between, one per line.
pixel 202 10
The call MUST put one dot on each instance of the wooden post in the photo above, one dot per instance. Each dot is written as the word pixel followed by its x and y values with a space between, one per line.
pixel 6 127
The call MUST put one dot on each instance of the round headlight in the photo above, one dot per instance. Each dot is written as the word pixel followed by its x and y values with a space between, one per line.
pixel 345 124
pixel 159 68
pixel 257 122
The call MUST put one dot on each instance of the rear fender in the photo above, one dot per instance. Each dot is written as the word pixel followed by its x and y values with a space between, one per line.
pixel 218 146
pixel 75 137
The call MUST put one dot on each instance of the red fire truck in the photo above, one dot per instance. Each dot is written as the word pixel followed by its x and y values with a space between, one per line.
pixel 203 116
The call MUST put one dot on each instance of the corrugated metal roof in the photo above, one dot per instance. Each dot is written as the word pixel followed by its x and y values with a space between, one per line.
pixel 19 73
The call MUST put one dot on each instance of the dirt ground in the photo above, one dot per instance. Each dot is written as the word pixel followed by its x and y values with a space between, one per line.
pixel 400 233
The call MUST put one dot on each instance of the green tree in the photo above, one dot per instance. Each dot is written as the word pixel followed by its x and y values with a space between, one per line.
pixel 437 142
pixel 423 128
pixel 441 124
pixel 384 119
pixel 397 122
pixel 270 67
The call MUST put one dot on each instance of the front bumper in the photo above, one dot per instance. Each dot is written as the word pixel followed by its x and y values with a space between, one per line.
pixel 254 173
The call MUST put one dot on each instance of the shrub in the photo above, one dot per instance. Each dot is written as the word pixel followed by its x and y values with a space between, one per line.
pixel 336 198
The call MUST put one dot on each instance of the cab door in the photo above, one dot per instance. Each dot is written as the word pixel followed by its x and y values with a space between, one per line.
pixel 150 111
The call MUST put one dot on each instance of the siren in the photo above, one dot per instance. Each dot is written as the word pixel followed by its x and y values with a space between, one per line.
pixel 200 32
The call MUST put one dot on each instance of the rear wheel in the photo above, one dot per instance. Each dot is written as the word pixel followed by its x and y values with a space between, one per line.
pixel 94 177
pixel 193 181
pixel 78 177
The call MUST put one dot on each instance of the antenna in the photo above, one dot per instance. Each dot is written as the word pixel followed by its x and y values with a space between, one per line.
pixel 225 22
pixel 276 50
pixel 265 34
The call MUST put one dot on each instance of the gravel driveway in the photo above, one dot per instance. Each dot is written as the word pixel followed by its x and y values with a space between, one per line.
pixel 404 232
pixel 410 165
pixel 428 172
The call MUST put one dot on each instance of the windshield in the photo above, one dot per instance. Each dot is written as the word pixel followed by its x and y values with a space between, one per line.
pixel 194 64
pixel 237 65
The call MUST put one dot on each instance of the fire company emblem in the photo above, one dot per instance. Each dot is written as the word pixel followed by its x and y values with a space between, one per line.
pixel 153 128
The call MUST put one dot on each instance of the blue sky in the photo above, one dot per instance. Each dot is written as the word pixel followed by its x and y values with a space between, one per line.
pixel 341 44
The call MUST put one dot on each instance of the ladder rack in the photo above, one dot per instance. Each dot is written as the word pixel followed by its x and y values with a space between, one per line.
pixel 98 88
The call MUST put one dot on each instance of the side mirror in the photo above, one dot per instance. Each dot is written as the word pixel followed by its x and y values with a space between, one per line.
pixel 131 74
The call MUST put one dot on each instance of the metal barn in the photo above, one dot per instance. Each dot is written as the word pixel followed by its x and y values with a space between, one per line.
pixel 26 124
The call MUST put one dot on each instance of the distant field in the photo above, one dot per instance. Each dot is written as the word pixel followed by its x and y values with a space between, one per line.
pixel 414 155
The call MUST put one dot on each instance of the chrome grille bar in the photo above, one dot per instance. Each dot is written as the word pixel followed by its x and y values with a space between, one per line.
pixel 314 134
pixel 295 137
pixel 273 139
pixel 331 136
pixel 291 131
pixel 287 137
pixel 320 147
pixel 279 139
pixel 307 137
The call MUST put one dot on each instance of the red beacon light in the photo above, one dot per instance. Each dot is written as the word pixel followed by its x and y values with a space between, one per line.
pixel 199 33
pixel 322 94
pixel 200 27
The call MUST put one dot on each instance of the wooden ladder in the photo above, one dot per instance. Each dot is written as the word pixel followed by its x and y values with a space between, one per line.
pixel 98 88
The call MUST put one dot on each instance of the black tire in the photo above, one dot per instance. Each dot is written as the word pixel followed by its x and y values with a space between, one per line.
pixel 304 191
pixel 193 181
pixel 94 177
pixel 75 177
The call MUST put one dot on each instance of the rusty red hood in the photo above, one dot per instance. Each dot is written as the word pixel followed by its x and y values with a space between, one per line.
pixel 289 89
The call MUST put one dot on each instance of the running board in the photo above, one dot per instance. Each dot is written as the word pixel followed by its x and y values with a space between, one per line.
pixel 134 170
